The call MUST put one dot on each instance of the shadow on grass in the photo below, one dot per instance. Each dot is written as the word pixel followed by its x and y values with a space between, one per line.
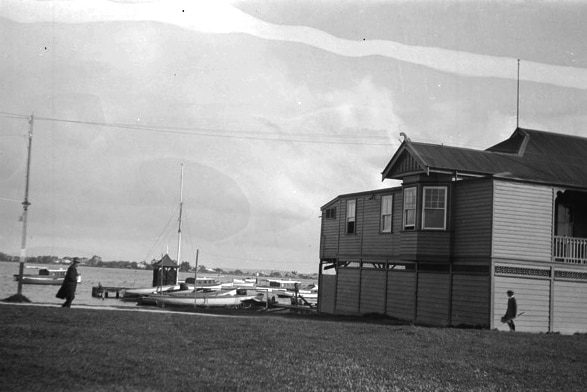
pixel 16 298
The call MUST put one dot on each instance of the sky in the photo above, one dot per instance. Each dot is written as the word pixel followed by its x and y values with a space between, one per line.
pixel 273 108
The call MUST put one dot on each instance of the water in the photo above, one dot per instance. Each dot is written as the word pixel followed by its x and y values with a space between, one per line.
pixel 91 276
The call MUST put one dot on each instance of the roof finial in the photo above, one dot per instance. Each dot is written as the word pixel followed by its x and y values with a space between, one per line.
pixel 406 138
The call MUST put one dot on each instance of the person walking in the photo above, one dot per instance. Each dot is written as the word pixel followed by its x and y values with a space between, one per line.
pixel 511 311
pixel 69 285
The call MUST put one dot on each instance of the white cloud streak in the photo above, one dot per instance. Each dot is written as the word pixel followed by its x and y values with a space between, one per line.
pixel 220 17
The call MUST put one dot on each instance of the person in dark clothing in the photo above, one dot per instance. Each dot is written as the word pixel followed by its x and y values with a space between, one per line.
pixel 511 311
pixel 67 290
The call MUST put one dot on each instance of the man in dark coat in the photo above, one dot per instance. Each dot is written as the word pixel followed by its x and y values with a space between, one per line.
pixel 511 311
pixel 69 284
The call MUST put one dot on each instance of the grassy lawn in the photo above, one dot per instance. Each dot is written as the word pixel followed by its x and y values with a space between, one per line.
pixel 55 349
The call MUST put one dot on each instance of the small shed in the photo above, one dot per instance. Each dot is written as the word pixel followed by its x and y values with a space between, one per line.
pixel 165 272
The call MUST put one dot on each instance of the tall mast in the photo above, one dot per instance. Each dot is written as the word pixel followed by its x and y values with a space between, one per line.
pixel 25 206
pixel 518 98
pixel 179 224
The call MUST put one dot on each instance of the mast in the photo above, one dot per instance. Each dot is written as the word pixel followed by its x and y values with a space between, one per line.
pixel 196 278
pixel 518 98
pixel 179 225
pixel 25 206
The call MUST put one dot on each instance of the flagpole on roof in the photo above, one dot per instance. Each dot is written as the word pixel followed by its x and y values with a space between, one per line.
pixel 518 98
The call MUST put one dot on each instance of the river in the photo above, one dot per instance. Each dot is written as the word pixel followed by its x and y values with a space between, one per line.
pixel 91 276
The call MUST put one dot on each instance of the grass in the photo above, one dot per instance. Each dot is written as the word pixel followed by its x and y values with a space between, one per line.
pixel 55 349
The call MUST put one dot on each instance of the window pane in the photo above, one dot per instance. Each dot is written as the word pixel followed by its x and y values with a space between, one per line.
pixel 434 209
pixel 409 198
pixel 386 202
pixel 434 219
pixel 410 207
pixel 386 224
pixel 351 206
pixel 410 217
pixel 350 227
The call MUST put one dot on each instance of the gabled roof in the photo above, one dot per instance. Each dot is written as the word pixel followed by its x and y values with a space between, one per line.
pixel 529 155
pixel 165 262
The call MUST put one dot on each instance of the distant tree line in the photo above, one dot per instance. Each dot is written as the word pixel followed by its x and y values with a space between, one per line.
pixel 96 261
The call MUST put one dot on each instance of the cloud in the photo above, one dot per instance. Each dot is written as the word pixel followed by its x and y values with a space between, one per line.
pixel 220 17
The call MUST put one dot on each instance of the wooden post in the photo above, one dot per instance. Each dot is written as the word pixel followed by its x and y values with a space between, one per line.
pixel 25 206
pixel 196 277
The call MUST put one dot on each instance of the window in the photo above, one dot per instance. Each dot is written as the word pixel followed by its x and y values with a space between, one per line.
pixel 330 213
pixel 410 208
pixel 434 208
pixel 386 207
pixel 351 208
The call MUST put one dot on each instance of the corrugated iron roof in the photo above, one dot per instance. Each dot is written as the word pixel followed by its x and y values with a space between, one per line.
pixel 528 155
pixel 165 261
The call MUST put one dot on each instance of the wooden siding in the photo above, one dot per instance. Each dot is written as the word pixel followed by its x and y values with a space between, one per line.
pixel 522 221
pixel 350 244
pixel 373 291
pixel 570 307
pixel 470 300
pixel 472 218
pixel 330 234
pixel 425 245
pixel 368 241
pixel 401 295
pixel 375 243
pixel 433 298
pixel 327 294
pixel 347 291
pixel 532 297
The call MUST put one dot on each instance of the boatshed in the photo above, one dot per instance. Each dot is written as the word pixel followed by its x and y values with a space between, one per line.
pixel 165 272
pixel 465 227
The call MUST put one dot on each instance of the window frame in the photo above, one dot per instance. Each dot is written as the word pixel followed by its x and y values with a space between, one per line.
pixel 405 225
pixel 383 214
pixel 444 208
pixel 353 217
pixel 330 213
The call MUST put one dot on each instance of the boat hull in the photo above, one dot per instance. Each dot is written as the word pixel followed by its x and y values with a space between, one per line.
pixel 211 301
pixel 41 280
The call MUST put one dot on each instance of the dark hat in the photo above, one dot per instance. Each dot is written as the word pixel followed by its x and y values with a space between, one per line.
pixel 510 292
pixel 76 260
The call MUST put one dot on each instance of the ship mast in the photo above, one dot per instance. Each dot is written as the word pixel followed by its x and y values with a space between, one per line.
pixel 179 226
pixel 25 206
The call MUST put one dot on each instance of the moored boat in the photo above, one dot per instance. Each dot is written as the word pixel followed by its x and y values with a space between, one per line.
pixel 213 300
pixel 44 276
pixel 276 285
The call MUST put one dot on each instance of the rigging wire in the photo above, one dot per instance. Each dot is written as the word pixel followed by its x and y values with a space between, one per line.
pixel 221 133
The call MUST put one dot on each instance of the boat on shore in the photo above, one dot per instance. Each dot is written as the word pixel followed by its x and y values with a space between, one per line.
pixel 276 285
pixel 44 276
pixel 212 299
pixel 202 284
pixel 308 293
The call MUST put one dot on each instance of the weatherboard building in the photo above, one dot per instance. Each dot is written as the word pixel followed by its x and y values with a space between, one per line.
pixel 464 227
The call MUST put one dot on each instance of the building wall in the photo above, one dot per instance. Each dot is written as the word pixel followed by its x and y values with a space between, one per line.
pixel 373 286
pixel 433 298
pixel 550 298
pixel 472 220
pixel 347 291
pixel 329 233
pixel 522 221
pixel 471 300
pixel 401 295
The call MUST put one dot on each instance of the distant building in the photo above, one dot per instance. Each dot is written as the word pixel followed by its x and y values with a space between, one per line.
pixel 464 227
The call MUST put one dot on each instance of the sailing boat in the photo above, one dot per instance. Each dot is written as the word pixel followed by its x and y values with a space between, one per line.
pixel 166 271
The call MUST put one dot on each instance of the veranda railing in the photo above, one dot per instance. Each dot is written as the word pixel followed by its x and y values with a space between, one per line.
pixel 570 250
